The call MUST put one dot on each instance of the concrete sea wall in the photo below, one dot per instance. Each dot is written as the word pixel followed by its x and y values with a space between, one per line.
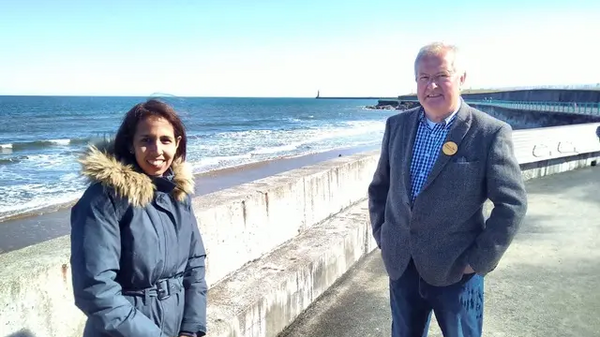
pixel 274 245
pixel 539 95
pixel 238 225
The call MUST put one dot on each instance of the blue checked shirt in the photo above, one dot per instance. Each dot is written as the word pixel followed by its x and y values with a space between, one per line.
pixel 428 143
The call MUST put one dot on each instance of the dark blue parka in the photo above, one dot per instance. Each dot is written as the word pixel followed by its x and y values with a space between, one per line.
pixel 137 256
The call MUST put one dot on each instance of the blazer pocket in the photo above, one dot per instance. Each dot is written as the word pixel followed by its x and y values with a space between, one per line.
pixel 464 175
pixel 465 162
pixel 466 165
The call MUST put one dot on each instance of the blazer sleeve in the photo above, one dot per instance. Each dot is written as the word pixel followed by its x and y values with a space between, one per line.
pixel 95 255
pixel 506 190
pixel 194 314
pixel 379 187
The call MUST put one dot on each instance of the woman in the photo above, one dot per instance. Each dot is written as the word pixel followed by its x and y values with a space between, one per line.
pixel 137 256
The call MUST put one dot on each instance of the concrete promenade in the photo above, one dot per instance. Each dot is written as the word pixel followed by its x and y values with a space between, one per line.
pixel 546 285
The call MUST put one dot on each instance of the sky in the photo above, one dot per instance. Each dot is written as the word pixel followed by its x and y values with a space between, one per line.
pixel 281 48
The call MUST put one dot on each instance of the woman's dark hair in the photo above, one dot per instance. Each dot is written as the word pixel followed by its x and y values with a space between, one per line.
pixel 153 107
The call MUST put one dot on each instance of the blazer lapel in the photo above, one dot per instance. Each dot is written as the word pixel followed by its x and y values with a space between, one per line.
pixel 408 139
pixel 457 132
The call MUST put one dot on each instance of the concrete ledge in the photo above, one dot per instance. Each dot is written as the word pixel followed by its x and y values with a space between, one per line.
pixel 243 223
pixel 558 165
pixel 264 297
pixel 542 144
pixel 36 297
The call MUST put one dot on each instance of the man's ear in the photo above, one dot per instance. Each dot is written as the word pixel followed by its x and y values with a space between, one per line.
pixel 463 78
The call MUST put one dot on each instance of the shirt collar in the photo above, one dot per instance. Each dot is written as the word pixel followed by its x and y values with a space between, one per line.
pixel 446 123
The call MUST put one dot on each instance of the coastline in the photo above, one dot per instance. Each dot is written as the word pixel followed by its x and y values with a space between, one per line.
pixel 25 229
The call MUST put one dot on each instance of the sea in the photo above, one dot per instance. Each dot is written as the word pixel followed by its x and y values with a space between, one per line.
pixel 41 137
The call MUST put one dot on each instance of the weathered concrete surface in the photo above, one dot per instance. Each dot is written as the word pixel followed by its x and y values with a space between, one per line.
pixel 262 298
pixel 36 292
pixel 546 285
pixel 539 144
pixel 546 151
pixel 241 224
pixel 238 225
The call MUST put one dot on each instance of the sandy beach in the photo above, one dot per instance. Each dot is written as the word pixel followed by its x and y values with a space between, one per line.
pixel 28 229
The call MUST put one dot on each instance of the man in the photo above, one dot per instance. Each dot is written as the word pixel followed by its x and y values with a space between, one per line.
pixel 439 163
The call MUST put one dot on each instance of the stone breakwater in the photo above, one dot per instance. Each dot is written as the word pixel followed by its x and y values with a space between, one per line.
pixel 392 105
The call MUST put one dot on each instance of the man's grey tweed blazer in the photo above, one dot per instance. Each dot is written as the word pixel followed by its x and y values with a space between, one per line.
pixel 445 230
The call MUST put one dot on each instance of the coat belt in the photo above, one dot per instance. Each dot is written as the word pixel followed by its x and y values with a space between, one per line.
pixel 163 289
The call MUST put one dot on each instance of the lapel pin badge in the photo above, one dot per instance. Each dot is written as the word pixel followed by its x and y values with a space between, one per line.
pixel 450 148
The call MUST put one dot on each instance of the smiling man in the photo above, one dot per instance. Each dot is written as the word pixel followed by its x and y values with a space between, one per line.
pixel 439 163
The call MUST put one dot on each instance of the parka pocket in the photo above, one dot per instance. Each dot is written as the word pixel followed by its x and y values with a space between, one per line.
pixel 172 313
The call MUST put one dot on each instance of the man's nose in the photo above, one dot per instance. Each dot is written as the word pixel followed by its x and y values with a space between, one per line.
pixel 432 85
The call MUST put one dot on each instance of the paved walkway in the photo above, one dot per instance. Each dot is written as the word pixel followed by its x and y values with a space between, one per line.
pixel 548 283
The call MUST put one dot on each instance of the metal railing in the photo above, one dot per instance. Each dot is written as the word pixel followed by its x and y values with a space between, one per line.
pixel 582 108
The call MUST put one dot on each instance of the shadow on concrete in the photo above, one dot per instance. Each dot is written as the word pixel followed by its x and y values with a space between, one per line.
pixel 556 299
pixel 582 184
pixel 560 181
pixel 22 333
pixel 535 227
pixel 344 306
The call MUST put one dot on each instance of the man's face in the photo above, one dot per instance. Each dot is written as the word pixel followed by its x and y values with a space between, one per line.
pixel 438 85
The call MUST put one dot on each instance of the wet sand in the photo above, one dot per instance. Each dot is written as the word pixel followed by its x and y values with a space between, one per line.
pixel 43 225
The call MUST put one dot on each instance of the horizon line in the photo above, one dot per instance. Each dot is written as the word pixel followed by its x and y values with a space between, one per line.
pixel 594 87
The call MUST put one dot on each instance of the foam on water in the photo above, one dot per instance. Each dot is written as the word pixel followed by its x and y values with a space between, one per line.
pixel 38 159
pixel 229 149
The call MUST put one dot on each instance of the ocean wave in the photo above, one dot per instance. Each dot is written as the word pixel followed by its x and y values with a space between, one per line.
pixel 12 160
pixel 234 148
pixel 61 160
pixel 47 143
pixel 275 149
pixel 31 197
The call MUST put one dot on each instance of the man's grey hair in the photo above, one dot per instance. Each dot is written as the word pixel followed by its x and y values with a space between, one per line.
pixel 439 49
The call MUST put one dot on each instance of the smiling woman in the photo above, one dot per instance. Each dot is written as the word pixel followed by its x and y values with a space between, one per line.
pixel 151 136
pixel 154 145
pixel 137 255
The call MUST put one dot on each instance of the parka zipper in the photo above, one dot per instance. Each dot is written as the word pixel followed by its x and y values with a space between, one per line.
pixel 165 254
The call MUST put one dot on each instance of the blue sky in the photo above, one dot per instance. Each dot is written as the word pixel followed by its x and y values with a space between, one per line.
pixel 286 48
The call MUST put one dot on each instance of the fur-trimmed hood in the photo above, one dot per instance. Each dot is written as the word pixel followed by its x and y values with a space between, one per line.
pixel 100 165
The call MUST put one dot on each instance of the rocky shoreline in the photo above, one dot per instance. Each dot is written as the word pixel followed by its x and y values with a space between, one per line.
pixel 392 105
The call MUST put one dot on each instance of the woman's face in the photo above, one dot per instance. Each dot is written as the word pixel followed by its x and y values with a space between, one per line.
pixel 155 145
